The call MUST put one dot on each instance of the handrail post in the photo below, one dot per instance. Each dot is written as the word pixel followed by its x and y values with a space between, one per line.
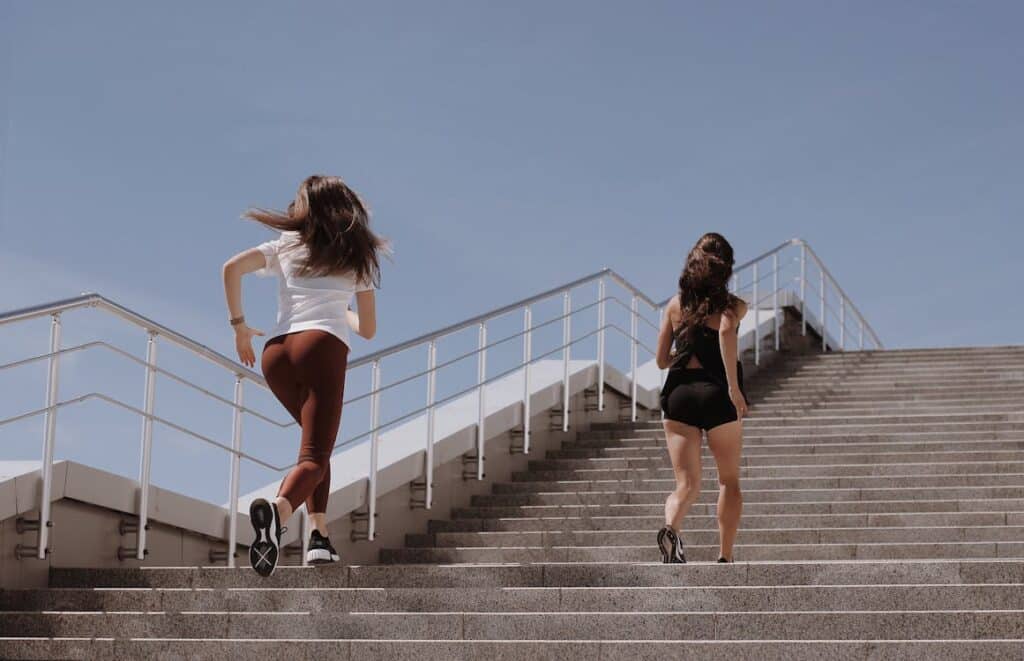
pixel 306 528
pixel 146 451
pixel 50 429
pixel 821 295
pixel 527 353
pixel 842 323
pixel 633 329
pixel 236 447
pixel 803 288
pixel 757 321
pixel 775 296
pixel 482 400
pixel 566 337
pixel 428 495
pixel 600 344
pixel 371 495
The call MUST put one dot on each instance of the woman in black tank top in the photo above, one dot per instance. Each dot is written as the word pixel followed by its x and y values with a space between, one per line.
pixel 703 391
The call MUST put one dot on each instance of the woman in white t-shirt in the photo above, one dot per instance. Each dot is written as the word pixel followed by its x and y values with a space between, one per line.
pixel 325 256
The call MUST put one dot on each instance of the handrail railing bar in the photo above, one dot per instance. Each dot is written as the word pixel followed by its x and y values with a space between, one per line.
pixel 173 425
pixel 177 338
pixel 260 462
pixel 142 362
pixel 58 352
pixel 472 321
pixel 98 300
pixel 834 314
pixel 769 274
pixel 633 290
pixel 849 301
pixel 44 309
pixel 465 391
pixel 259 415
pixel 626 335
pixel 464 356
pixel 640 317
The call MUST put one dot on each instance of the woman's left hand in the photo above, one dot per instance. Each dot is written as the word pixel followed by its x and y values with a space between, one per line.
pixel 243 344
pixel 738 401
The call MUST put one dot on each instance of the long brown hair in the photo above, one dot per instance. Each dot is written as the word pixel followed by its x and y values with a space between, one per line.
pixel 704 282
pixel 334 225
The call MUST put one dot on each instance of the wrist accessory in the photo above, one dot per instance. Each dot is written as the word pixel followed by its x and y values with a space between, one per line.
pixel 238 320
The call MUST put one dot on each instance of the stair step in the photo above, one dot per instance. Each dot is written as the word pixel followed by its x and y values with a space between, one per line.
pixel 507 650
pixel 787 460
pixel 383 625
pixel 575 574
pixel 762 451
pixel 710 521
pixel 976 480
pixel 709 552
pixel 748 535
pixel 614 599
pixel 812 470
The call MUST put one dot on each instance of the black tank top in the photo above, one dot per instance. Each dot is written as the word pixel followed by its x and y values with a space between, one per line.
pixel 704 344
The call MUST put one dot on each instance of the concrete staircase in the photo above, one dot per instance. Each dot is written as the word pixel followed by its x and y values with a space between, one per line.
pixel 884 518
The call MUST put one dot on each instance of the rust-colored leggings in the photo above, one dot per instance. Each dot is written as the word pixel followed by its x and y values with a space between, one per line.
pixel 306 372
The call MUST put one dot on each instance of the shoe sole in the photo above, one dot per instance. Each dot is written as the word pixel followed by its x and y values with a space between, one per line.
pixel 320 557
pixel 669 556
pixel 666 554
pixel 264 552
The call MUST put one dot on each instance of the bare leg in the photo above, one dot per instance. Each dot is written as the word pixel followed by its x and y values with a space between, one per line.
pixel 684 451
pixel 726 444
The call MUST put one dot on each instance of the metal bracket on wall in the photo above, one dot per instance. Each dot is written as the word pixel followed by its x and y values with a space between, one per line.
pixel 555 419
pixel 220 555
pixel 517 444
pixel 361 519
pixel 418 494
pixel 469 467
pixel 21 526
pixel 126 527
pixel 625 410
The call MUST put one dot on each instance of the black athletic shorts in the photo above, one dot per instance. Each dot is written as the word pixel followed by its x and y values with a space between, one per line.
pixel 691 397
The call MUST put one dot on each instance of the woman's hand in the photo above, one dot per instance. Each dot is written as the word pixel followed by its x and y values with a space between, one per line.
pixel 739 401
pixel 243 344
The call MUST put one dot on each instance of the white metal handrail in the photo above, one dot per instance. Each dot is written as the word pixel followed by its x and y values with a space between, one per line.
pixel 429 341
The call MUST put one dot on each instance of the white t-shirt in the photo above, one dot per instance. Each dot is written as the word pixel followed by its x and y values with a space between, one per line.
pixel 302 302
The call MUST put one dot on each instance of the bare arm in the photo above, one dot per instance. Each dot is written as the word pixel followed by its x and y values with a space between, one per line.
pixel 364 321
pixel 728 342
pixel 665 336
pixel 232 272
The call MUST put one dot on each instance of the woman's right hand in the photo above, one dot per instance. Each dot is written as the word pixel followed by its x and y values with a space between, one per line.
pixel 243 344
pixel 738 401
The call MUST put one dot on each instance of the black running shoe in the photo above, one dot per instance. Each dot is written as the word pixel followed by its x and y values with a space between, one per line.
pixel 320 550
pixel 671 546
pixel 722 559
pixel 266 547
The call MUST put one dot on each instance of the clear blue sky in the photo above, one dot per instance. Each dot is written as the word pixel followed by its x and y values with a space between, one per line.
pixel 506 147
